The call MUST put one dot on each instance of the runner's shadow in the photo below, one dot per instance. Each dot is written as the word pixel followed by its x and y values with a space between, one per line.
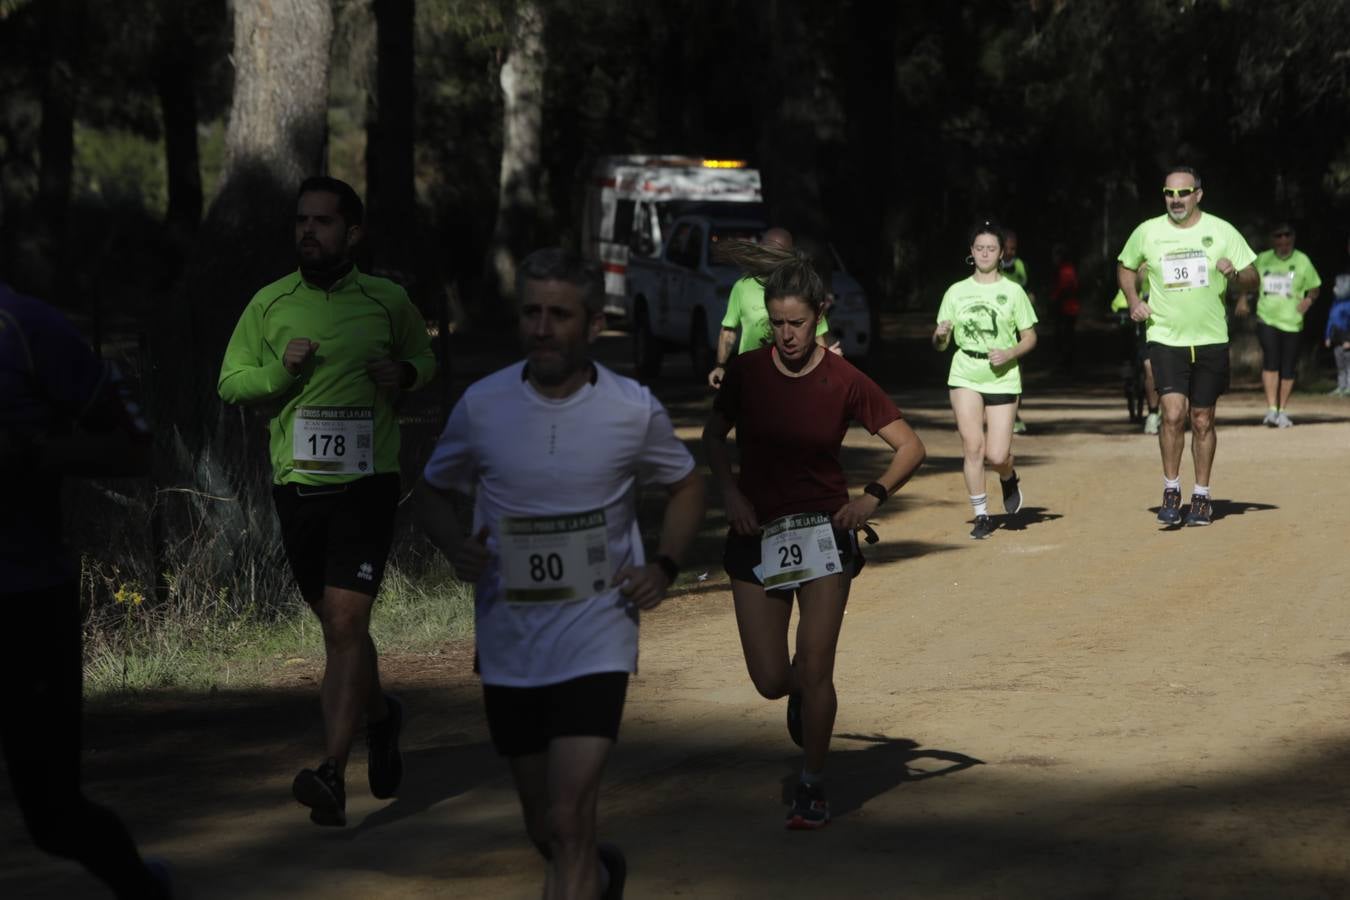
pixel 1018 521
pixel 1225 508
pixel 859 775
pixel 432 775
pixel 1222 509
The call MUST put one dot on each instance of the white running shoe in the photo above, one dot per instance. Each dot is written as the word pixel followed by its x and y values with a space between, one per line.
pixel 1283 421
pixel 1270 419
pixel 1152 422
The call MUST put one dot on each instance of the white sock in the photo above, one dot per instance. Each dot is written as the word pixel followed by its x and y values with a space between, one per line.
pixel 1171 484
pixel 1200 490
pixel 981 504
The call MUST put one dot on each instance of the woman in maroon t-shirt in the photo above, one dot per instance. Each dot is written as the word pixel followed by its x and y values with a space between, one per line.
pixel 791 520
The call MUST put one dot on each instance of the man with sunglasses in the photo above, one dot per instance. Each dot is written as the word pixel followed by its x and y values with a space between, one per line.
pixel 1192 257
pixel 1289 285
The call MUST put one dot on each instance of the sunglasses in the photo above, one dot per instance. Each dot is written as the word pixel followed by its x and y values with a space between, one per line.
pixel 1179 192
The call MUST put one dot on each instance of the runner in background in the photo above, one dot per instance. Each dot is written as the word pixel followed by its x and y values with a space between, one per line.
pixel 746 312
pixel 1015 270
pixel 1289 285
pixel 791 519
pixel 62 413
pixel 335 348
pixel 1064 299
pixel 1134 344
pixel 993 324
pixel 1337 335
pixel 1192 257
pixel 548 453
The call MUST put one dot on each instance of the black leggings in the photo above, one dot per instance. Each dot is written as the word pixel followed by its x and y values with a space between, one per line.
pixel 1279 351
pixel 41 664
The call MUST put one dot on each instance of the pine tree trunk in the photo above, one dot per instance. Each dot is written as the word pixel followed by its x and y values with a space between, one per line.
pixel 62 23
pixel 522 82
pixel 390 195
pixel 175 75
pixel 275 137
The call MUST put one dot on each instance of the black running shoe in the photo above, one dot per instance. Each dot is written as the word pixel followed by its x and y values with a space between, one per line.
pixel 322 791
pixel 1170 511
pixel 384 763
pixel 611 857
pixel 1012 494
pixel 810 809
pixel 1201 512
pixel 983 528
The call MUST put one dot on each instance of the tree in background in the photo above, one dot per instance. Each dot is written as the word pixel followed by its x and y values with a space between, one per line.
pixel 522 84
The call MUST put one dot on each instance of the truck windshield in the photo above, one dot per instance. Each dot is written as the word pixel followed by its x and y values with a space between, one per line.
pixel 718 234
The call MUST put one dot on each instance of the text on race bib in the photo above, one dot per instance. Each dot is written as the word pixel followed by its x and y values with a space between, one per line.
pixel 554 559
pixel 1184 269
pixel 1280 285
pixel 333 440
pixel 796 549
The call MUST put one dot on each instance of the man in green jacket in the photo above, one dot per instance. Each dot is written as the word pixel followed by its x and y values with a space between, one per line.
pixel 335 347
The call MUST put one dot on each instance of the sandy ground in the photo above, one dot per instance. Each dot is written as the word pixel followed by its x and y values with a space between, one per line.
pixel 1085 705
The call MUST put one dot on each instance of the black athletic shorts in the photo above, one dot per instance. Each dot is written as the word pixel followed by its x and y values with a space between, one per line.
pixel 740 555
pixel 338 535
pixel 1279 350
pixel 522 720
pixel 1200 373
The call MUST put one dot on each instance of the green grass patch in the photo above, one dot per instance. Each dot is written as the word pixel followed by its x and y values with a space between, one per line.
pixel 149 649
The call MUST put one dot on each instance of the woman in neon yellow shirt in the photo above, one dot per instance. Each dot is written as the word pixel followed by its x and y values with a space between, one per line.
pixel 993 323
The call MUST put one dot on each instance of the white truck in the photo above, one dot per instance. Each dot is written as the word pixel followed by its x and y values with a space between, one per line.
pixel 677 298
pixel 631 201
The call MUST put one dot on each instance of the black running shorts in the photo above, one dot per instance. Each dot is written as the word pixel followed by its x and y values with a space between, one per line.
pixel 522 720
pixel 740 555
pixel 1199 373
pixel 338 535
pixel 1279 350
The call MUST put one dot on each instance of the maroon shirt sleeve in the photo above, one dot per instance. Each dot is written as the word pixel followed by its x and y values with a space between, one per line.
pixel 869 405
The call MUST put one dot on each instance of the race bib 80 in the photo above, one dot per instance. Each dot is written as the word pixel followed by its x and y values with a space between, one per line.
pixel 554 559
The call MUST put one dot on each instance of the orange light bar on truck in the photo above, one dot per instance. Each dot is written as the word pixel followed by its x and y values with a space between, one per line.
pixel 724 164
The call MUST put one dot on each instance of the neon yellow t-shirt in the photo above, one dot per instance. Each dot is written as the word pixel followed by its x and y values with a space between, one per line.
pixel 986 317
pixel 1120 304
pixel 1015 271
pixel 1185 289
pixel 359 319
pixel 1283 284
pixel 745 308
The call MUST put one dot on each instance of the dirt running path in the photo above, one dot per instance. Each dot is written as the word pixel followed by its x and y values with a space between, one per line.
pixel 1082 706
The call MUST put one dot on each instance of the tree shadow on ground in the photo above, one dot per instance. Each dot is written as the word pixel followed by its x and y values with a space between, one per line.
pixel 858 775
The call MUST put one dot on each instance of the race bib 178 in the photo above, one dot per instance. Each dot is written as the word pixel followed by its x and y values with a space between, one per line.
pixel 333 440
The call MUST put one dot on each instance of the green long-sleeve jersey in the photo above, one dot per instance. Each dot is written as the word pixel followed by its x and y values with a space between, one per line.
pixel 334 424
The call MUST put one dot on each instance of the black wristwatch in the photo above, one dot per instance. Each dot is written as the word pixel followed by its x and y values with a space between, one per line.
pixel 669 567
pixel 876 490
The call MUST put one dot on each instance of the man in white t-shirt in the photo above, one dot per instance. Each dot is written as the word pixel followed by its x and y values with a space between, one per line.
pixel 553 450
